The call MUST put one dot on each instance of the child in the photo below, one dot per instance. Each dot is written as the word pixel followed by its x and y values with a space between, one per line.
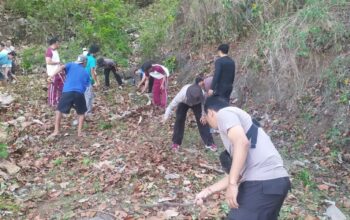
pixel 91 69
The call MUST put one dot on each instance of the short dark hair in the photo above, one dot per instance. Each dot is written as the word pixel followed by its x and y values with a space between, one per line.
pixel 215 103
pixel 224 48
pixel 53 40
pixel 100 62
pixel 94 49
pixel 12 53
pixel 147 65
pixel 198 79
pixel 2 44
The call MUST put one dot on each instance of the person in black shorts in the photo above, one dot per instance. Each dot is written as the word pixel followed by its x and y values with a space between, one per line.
pixel 77 80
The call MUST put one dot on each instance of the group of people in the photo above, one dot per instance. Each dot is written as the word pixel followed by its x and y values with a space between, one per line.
pixel 256 183
pixel 7 63
pixel 68 86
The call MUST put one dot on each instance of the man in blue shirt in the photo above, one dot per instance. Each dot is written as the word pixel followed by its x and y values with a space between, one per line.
pixel 77 81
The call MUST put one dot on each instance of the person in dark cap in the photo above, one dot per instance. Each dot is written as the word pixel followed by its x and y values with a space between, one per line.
pixel 191 96
pixel 224 75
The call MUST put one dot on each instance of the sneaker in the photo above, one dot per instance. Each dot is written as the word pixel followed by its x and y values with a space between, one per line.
pixel 175 146
pixel 212 147
pixel 214 131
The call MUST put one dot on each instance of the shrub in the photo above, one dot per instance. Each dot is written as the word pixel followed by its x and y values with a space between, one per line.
pixel 83 22
pixel 154 26
pixel 32 57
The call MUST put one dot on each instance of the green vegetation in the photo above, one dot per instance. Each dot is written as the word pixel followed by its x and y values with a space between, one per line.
pixel 3 151
pixel 87 161
pixel 81 22
pixel 32 57
pixel 105 125
pixel 58 161
pixel 154 25
pixel 7 204
pixel 170 63
pixel 305 177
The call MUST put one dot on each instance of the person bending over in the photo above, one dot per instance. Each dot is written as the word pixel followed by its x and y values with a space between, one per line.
pixel 76 83
pixel 109 65
pixel 160 85
pixel 190 97
pixel 146 81
pixel 257 182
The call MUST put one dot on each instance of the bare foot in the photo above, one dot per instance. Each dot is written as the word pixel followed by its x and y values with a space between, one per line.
pixel 81 134
pixel 52 136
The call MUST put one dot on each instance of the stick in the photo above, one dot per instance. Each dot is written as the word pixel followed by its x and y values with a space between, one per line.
pixel 97 211
pixel 211 168
pixel 167 204
pixel 330 184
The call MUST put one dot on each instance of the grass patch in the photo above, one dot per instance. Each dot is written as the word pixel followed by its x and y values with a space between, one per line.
pixel 3 151
pixel 7 204
pixel 102 125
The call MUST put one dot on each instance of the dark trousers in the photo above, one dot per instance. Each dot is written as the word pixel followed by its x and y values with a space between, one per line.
pixel 224 92
pixel 116 75
pixel 150 84
pixel 179 127
pixel 260 200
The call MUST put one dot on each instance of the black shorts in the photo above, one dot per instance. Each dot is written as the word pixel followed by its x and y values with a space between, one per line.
pixel 72 99
pixel 260 200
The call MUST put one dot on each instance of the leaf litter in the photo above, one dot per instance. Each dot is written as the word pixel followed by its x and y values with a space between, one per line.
pixel 124 163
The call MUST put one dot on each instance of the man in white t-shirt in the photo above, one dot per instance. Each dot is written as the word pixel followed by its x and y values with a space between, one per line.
pixel 257 182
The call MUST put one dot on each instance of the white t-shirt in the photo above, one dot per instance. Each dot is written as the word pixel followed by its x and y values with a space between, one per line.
pixel 53 54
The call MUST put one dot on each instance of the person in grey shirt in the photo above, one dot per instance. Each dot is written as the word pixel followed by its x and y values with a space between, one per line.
pixel 191 96
pixel 109 65
pixel 257 182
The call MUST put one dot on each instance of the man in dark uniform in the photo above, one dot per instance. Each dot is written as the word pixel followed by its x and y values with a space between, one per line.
pixel 224 74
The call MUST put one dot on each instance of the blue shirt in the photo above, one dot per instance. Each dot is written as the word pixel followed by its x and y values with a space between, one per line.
pixel 90 63
pixel 4 59
pixel 77 79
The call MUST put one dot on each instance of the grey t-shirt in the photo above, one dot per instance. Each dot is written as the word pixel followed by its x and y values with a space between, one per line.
pixel 263 162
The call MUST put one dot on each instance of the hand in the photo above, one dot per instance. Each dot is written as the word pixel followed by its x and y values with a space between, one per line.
pixel 203 120
pixel 202 195
pixel 162 86
pixel 210 92
pixel 49 79
pixel 231 196
pixel 165 119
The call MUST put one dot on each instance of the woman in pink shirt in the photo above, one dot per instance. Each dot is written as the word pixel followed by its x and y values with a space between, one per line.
pixel 160 85
pixel 52 64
